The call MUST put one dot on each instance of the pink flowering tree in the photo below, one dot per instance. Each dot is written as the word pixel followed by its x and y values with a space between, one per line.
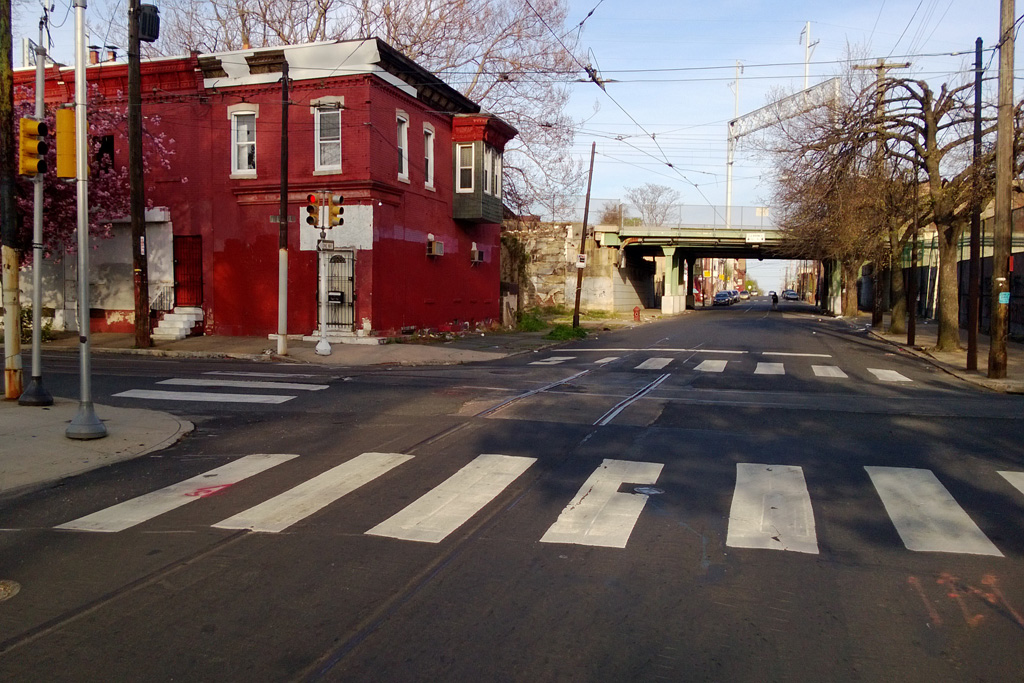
pixel 108 174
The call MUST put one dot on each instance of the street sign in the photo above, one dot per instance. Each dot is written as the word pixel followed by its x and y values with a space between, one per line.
pixel 707 273
pixel 325 245
pixel 755 237
pixel 581 261
pixel 1004 297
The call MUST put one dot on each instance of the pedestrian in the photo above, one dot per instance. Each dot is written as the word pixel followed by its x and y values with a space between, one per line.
pixel 775 301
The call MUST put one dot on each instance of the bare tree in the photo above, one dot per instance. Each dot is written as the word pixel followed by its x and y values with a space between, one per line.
pixel 653 202
pixel 508 55
pixel 610 213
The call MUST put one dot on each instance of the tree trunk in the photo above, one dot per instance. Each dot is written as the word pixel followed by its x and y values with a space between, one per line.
pixel 849 289
pixel 948 304
pixel 898 320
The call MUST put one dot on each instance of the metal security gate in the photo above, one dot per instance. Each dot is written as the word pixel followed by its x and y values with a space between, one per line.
pixel 340 290
pixel 188 270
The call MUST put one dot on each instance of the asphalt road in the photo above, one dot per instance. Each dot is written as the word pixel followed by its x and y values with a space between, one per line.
pixel 736 495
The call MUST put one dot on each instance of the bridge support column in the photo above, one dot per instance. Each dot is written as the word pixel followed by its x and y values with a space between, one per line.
pixel 691 302
pixel 671 302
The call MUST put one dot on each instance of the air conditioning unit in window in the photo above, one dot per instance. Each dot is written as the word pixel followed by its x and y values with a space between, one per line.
pixel 435 248
pixel 476 256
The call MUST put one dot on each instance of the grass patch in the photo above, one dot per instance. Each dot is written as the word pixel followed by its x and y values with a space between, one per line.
pixel 563 332
pixel 530 321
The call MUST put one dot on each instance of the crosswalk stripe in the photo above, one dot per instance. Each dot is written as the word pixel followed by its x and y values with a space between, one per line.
pixel 770 369
pixel 711 366
pixel 1015 478
pixel 828 371
pixel 888 375
pixel 242 384
pixel 926 516
pixel 279 375
pixel 600 515
pixel 143 508
pixel 771 509
pixel 553 360
pixel 201 396
pixel 448 506
pixel 603 361
pixel 653 364
pixel 294 505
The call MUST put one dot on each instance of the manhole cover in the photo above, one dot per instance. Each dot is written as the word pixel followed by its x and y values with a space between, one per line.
pixel 649 490
pixel 8 589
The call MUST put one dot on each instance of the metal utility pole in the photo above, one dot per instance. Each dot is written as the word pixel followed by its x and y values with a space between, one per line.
pixel 583 241
pixel 1002 226
pixel 282 284
pixel 9 256
pixel 35 394
pixel 136 188
pixel 974 264
pixel 808 49
pixel 85 425
pixel 731 150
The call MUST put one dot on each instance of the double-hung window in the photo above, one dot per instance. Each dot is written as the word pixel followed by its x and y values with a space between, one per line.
pixel 327 124
pixel 428 157
pixel 465 168
pixel 243 142
pixel 488 165
pixel 403 146
pixel 496 171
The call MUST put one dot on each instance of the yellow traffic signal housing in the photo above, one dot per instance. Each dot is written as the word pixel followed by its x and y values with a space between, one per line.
pixel 32 147
pixel 65 138
pixel 313 210
pixel 334 210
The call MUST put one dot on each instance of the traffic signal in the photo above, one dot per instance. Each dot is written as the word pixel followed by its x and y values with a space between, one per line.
pixel 312 210
pixel 65 138
pixel 32 149
pixel 334 210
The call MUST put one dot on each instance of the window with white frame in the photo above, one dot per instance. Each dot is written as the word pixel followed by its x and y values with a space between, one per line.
pixel 403 146
pixel 496 170
pixel 428 156
pixel 488 161
pixel 327 125
pixel 465 167
pixel 243 143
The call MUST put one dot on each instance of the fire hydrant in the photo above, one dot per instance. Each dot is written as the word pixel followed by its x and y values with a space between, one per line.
pixel 636 314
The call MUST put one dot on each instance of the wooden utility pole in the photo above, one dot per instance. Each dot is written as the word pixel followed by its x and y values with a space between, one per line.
pixel 136 188
pixel 1002 227
pixel 10 257
pixel 881 69
pixel 583 241
pixel 974 265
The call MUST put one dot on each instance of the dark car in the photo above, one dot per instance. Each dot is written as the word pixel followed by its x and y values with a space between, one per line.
pixel 723 298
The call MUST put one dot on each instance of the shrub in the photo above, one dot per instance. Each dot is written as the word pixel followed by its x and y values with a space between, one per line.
pixel 566 332
pixel 530 321
pixel 26 327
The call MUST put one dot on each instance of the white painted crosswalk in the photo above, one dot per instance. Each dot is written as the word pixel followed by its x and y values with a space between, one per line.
pixel 282 389
pixel 654 364
pixel 828 371
pixel 771 505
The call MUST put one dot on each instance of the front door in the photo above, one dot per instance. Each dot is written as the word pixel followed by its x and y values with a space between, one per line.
pixel 340 290
pixel 188 270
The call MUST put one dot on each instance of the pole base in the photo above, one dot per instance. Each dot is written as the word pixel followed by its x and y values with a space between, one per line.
pixel 323 348
pixel 35 394
pixel 86 425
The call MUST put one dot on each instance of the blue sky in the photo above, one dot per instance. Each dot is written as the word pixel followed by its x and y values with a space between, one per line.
pixel 675 60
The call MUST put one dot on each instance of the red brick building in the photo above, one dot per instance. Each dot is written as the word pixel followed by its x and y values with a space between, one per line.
pixel 418 164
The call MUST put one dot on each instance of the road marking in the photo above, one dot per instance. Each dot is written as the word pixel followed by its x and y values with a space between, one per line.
pixel 600 515
pixel 285 375
pixel 531 392
pixel 451 504
pixel 888 375
pixel 200 396
pixel 294 505
pixel 621 405
pixel 796 355
pixel 653 364
pixel 1015 478
pixel 553 360
pixel 609 359
pixel 143 508
pixel 711 366
pixel 771 509
pixel 243 384
pixel 828 371
pixel 660 349
pixel 924 513
pixel 770 369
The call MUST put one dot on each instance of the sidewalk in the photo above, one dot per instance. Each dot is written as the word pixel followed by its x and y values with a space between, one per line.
pixel 955 362
pixel 34 452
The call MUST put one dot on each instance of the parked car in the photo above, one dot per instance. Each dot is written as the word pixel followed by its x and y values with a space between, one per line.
pixel 723 298
pixel 790 295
